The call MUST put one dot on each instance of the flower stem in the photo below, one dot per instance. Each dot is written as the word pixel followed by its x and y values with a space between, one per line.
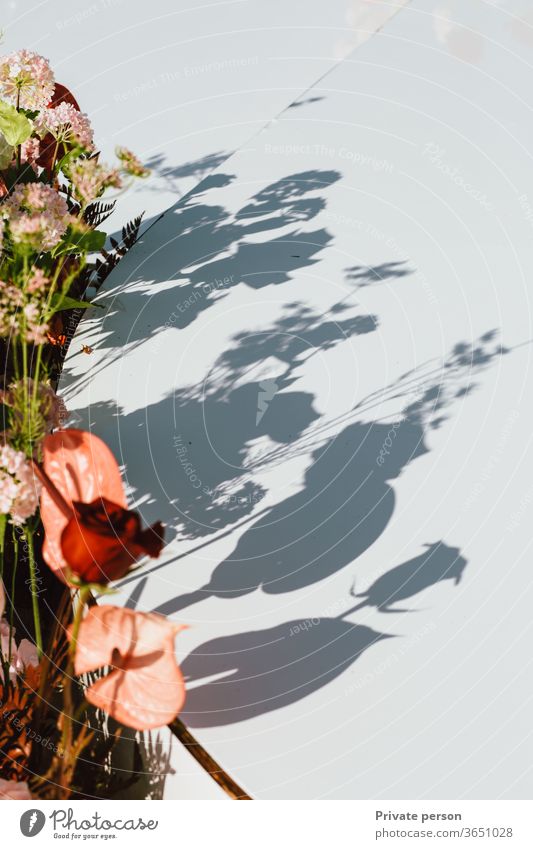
pixel 19 147
pixel 25 374
pixel 53 165
pixel 13 584
pixel 219 775
pixel 34 593
pixel 71 748
pixel 3 523
pixel 85 592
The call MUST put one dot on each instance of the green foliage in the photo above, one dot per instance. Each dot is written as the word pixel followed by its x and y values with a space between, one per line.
pixel 29 113
pixel 6 152
pixel 65 302
pixel 77 240
pixel 15 126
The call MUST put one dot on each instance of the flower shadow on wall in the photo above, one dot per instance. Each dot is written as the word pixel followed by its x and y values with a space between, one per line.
pixel 255 672
pixel 206 430
pixel 348 498
pixel 235 255
pixel 169 176
pixel 258 671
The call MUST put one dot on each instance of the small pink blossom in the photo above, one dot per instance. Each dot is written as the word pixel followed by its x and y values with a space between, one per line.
pixel 131 164
pixel 89 179
pixel 37 215
pixel 29 151
pixel 20 656
pixel 37 282
pixel 36 331
pixel 26 79
pixel 27 655
pixel 67 125
pixel 18 790
pixel 11 301
pixel 19 488
pixel 22 317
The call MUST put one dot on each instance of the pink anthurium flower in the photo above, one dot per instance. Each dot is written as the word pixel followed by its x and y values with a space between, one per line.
pixel 145 690
pixel 89 531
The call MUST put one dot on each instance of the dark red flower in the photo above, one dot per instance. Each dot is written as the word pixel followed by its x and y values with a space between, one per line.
pixel 89 531
pixel 102 540
pixel 63 95
pixel 48 150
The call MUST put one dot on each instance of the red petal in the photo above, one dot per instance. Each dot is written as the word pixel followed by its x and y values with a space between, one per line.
pixel 83 469
pixel 47 152
pixel 151 539
pixel 101 542
pixel 63 95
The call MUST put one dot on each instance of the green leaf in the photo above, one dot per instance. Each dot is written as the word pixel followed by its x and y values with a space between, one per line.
pixel 65 302
pixel 80 241
pixel 15 126
pixel 6 152
pixel 93 240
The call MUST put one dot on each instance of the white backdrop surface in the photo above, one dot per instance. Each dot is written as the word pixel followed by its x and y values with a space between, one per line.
pixel 316 369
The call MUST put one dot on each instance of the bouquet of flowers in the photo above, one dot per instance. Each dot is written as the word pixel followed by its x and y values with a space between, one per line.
pixel 62 501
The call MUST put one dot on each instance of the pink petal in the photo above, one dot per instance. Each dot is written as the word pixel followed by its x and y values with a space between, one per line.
pixel 27 654
pixel 14 790
pixel 147 689
pixel 142 698
pixel 83 468
pixel 107 628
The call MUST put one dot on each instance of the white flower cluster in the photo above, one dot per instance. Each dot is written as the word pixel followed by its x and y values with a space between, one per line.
pixel 19 488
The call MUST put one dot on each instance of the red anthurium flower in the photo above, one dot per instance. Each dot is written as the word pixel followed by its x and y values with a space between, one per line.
pixel 63 95
pixel 89 530
pixel 47 152
pixel 103 540
pixel 145 689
